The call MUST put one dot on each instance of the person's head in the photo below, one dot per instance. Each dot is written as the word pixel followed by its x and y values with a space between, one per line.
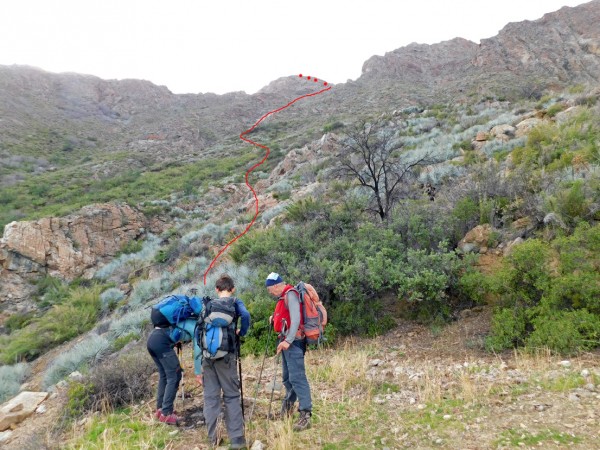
pixel 225 284
pixel 274 284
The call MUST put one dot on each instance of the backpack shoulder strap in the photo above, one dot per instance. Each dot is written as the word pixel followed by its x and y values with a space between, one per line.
pixel 284 296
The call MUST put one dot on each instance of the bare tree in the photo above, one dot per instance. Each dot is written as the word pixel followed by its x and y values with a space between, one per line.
pixel 373 156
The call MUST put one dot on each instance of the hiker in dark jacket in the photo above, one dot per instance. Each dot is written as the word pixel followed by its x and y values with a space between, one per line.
pixel 161 343
pixel 220 374
pixel 292 346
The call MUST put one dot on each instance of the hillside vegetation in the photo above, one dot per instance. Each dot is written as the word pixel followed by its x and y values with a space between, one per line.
pixel 535 189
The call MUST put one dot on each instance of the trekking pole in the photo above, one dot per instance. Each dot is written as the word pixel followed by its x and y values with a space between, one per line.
pixel 273 387
pixel 262 366
pixel 179 356
pixel 239 358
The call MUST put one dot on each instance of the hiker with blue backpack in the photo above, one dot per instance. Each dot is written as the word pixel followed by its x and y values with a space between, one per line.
pixel 174 320
pixel 219 338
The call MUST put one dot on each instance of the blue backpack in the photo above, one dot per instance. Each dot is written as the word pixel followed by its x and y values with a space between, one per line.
pixel 215 331
pixel 174 310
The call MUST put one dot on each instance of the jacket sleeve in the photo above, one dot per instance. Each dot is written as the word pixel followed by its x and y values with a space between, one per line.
pixel 245 316
pixel 189 327
pixel 293 304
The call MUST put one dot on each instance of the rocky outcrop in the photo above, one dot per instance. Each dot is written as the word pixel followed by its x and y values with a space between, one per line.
pixel 524 58
pixel 477 240
pixel 559 47
pixel 66 247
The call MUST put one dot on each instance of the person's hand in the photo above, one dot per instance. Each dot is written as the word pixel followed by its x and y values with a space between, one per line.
pixel 283 345
pixel 271 319
pixel 199 379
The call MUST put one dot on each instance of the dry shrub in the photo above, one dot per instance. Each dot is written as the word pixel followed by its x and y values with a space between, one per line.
pixel 123 380
pixel 112 384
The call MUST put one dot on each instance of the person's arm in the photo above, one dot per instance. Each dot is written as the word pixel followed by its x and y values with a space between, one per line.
pixel 245 316
pixel 189 327
pixel 293 304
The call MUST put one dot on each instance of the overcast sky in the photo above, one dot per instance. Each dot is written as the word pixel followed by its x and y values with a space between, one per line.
pixel 219 46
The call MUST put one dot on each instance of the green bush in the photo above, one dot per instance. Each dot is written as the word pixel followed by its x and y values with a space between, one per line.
pixel 509 327
pixel 260 337
pixel 550 294
pixel 525 275
pixel 78 399
pixel 122 341
pixel 554 109
pixel 466 214
pixel 75 315
pixel 51 291
pixel 18 321
pixel 572 204
pixel 474 286
pixel 353 263
pixel 332 126
pixel 566 331
pixel 361 318
pixel 132 246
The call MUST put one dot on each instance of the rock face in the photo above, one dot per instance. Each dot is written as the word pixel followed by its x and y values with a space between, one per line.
pixel 558 50
pixel 562 47
pixel 66 247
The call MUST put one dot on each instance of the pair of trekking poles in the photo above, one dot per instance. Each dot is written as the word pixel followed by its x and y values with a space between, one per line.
pixel 262 366
pixel 239 358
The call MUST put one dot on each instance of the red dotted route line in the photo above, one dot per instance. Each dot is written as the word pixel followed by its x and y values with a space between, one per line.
pixel 268 151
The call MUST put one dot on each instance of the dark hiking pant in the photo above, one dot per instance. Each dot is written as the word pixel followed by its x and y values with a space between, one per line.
pixel 294 376
pixel 160 348
pixel 221 377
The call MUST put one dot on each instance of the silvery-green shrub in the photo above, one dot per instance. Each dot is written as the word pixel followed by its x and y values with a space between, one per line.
pixel 89 351
pixel 11 378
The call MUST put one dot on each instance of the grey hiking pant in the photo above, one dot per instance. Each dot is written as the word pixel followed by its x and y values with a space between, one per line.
pixel 294 376
pixel 221 375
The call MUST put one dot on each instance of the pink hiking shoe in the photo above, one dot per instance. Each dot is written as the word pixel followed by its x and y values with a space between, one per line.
pixel 171 419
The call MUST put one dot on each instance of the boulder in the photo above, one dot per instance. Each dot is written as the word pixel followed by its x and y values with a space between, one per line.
pixel 19 408
pixel 503 132
pixel 481 136
pixel 567 114
pixel 476 239
pixel 524 127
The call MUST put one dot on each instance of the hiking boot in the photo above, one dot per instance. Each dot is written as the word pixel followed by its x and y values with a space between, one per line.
pixel 238 443
pixel 287 409
pixel 158 413
pixel 171 419
pixel 303 422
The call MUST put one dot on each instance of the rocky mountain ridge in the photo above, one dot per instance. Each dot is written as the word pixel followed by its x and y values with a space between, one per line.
pixel 44 114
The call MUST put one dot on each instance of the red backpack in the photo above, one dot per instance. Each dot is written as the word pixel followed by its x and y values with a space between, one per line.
pixel 313 315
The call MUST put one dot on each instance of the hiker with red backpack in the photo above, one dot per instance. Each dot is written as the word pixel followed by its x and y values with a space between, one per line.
pixel 288 321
